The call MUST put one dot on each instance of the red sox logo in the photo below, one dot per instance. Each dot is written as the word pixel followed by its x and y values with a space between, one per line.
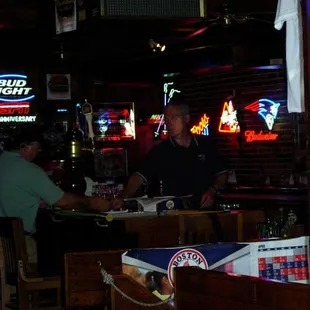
pixel 186 258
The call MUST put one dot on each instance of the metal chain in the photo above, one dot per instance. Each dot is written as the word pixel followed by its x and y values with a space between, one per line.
pixel 108 279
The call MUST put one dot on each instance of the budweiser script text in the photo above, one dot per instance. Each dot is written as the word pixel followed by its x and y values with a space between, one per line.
pixel 251 136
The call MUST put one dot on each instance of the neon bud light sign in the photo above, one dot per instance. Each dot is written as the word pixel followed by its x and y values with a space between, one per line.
pixel 15 97
pixel 14 85
pixel 202 128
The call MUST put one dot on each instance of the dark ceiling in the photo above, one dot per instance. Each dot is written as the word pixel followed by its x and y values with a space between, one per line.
pixel 27 28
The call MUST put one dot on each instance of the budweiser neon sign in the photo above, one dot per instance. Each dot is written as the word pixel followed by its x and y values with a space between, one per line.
pixel 252 136
pixel 15 96
pixel 203 126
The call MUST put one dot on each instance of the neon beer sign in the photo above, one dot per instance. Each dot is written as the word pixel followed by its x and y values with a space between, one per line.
pixel 202 128
pixel 252 136
pixel 15 97
pixel 14 85
pixel 229 120
pixel 268 111
pixel 169 91
pixel 155 119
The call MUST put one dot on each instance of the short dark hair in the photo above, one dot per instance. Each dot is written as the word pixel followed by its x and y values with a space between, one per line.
pixel 179 103
pixel 27 134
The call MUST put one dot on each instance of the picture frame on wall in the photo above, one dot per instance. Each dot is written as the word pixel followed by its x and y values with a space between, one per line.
pixel 58 86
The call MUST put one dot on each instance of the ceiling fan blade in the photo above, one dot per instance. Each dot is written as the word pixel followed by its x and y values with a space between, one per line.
pixel 198 48
pixel 196 33
pixel 261 20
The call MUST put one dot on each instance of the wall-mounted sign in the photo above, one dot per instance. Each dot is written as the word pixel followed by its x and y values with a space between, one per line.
pixel 268 111
pixel 14 88
pixel 65 15
pixel 169 92
pixel 202 128
pixel 15 98
pixel 251 136
pixel 154 119
pixel 58 87
pixel 229 121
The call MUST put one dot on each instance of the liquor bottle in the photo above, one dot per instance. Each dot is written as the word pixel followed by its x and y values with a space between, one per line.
pixel 74 181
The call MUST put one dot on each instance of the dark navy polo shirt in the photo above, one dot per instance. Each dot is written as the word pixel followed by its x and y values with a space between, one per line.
pixel 183 170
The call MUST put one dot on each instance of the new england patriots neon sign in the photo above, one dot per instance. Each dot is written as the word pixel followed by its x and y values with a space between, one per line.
pixel 268 110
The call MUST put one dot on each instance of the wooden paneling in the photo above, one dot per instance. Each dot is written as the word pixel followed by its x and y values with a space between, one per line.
pixel 201 290
pixel 136 291
pixel 84 283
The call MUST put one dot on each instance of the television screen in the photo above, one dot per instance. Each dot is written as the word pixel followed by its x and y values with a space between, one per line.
pixel 110 162
pixel 114 121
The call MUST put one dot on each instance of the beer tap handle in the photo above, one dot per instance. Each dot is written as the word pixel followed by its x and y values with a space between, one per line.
pixel 87 110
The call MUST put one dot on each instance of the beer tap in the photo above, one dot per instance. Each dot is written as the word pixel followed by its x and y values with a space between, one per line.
pixel 87 110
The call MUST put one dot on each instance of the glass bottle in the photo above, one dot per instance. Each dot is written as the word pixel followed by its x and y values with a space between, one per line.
pixel 74 181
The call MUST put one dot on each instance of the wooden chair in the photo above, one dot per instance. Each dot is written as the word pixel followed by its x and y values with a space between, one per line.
pixel 17 270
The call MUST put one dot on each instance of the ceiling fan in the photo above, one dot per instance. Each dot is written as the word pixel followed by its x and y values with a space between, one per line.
pixel 226 19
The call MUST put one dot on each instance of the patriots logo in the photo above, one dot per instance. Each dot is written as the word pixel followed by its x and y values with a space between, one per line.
pixel 267 109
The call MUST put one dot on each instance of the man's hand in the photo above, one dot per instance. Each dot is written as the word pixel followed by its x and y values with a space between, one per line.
pixel 100 204
pixel 117 204
pixel 207 199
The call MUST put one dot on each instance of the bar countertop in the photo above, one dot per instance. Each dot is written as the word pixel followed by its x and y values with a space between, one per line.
pixel 285 194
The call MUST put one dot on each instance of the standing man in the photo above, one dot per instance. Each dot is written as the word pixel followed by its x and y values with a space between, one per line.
pixel 23 185
pixel 184 163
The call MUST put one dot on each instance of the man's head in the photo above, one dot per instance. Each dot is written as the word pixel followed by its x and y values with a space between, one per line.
pixel 28 141
pixel 176 118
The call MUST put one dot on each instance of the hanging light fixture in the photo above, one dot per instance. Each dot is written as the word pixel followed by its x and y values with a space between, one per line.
pixel 156 47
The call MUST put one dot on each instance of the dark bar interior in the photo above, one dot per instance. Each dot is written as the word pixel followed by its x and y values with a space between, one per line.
pixel 101 87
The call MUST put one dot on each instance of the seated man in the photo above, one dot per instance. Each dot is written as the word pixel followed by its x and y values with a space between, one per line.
pixel 23 185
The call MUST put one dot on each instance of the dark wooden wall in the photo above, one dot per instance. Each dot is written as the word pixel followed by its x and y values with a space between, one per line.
pixel 205 92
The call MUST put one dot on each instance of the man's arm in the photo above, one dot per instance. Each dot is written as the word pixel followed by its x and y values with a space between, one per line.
pixel 70 201
pixel 42 186
pixel 220 180
pixel 144 174
pixel 134 183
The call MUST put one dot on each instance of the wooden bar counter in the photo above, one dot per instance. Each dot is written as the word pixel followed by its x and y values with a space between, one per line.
pixel 59 235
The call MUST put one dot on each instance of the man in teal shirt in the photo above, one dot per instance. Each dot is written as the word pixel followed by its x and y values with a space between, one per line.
pixel 23 185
